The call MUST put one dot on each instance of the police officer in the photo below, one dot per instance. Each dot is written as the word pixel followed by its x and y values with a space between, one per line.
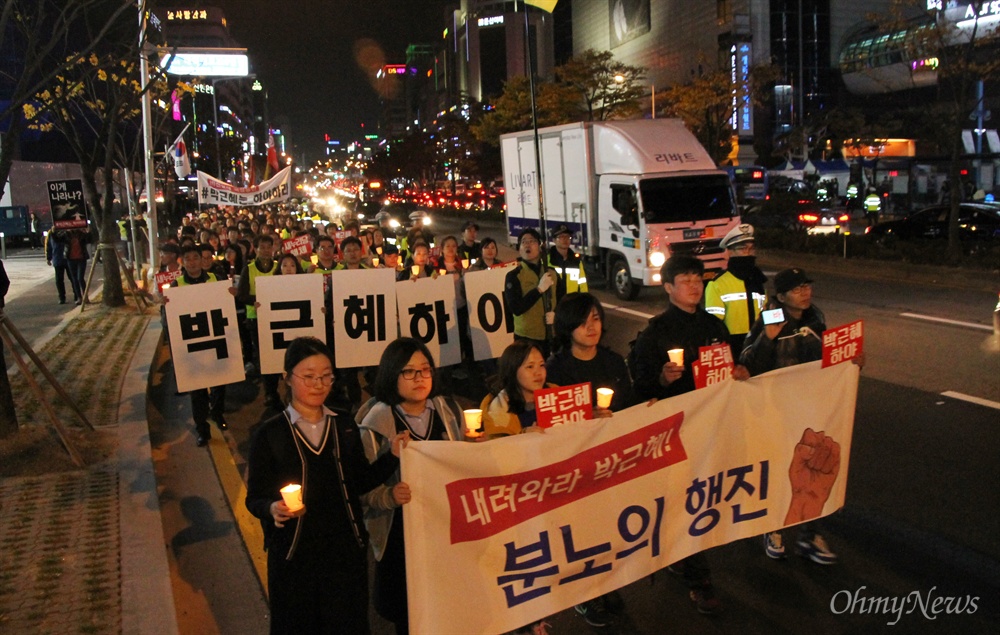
pixel 737 296
pixel 873 205
pixel 567 264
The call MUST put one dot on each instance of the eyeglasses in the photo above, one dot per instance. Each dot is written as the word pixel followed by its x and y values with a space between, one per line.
pixel 311 380
pixel 413 373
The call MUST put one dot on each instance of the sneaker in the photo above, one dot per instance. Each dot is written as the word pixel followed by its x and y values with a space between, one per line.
pixel 815 549
pixel 593 613
pixel 704 599
pixel 773 546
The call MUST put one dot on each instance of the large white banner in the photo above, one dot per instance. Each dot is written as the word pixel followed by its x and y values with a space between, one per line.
pixel 364 315
pixel 427 313
pixel 212 191
pixel 204 335
pixel 535 523
pixel 290 307
pixel 491 324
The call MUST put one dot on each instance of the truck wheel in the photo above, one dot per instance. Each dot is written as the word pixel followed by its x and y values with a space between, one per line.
pixel 621 281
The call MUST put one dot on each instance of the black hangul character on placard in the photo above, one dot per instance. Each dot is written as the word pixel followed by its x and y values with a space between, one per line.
pixel 587 553
pixel 434 319
pixel 196 326
pixel 365 315
pixel 697 498
pixel 740 482
pixel 304 321
pixel 644 523
pixel 493 306
pixel 517 560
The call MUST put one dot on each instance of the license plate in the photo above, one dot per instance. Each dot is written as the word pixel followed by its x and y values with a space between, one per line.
pixel 693 233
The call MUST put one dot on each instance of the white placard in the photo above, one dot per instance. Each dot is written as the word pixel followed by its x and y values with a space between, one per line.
pixel 427 313
pixel 290 307
pixel 204 335
pixel 364 315
pixel 490 324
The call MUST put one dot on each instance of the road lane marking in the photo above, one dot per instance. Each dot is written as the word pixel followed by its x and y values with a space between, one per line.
pixel 976 400
pixel 621 309
pixel 931 318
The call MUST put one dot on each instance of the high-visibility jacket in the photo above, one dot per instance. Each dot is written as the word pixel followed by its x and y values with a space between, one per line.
pixel 570 271
pixel 726 298
pixel 531 323
pixel 873 202
pixel 253 272
pixel 181 280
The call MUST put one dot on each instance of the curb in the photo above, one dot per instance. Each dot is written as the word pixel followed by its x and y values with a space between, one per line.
pixel 147 599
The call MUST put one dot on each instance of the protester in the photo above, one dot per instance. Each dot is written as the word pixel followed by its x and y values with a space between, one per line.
pixel 55 255
pixel 469 249
pixel 512 409
pixel 737 296
pixel 76 261
pixel 351 254
pixel 488 256
pixel 212 265
pixel 684 325
pixel 580 357
pixel 405 399
pixel 567 264
pixel 233 261
pixel 288 265
pixel 246 293
pixel 530 293
pixel 317 569
pixel 796 340
pixel 34 231
pixel 201 402
pixel 451 264
pixel 418 265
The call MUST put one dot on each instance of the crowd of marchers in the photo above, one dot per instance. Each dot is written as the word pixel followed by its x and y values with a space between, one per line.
pixel 321 433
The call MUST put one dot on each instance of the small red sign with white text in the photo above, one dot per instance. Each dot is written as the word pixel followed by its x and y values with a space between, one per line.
pixel 714 365
pixel 564 404
pixel 166 277
pixel 843 343
pixel 301 246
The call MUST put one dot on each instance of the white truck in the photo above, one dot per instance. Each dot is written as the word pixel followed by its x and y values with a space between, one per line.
pixel 633 193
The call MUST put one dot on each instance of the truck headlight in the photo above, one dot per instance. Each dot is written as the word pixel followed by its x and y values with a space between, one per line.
pixel 657 258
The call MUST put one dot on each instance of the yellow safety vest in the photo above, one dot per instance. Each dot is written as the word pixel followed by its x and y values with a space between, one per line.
pixel 574 276
pixel 531 323
pixel 181 282
pixel 253 272
pixel 726 299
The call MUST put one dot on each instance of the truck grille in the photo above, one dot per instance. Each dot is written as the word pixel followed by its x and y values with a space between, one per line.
pixel 700 248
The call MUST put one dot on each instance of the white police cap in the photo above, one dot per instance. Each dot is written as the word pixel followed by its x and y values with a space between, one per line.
pixel 740 234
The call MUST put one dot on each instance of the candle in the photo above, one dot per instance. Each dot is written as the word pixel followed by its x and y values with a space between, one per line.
pixel 604 396
pixel 465 263
pixel 473 419
pixel 374 262
pixel 165 286
pixel 415 269
pixel 292 495
pixel 676 356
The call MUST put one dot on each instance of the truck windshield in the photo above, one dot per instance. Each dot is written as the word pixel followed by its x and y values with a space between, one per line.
pixel 679 199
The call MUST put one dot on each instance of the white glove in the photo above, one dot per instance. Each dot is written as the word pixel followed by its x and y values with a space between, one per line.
pixel 550 318
pixel 546 282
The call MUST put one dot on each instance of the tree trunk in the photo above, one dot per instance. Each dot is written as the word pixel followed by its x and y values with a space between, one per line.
pixel 8 418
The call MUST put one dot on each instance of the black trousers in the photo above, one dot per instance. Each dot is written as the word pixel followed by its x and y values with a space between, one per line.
pixel 316 592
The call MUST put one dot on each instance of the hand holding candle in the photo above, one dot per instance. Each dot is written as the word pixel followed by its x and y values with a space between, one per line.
pixel 604 396
pixel 473 420
pixel 676 356
pixel 292 495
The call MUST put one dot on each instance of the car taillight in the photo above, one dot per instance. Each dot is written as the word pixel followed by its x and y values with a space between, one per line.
pixel 868 230
pixel 843 218
pixel 808 218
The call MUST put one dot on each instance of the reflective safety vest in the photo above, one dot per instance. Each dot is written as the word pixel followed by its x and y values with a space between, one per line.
pixel 873 202
pixel 852 191
pixel 531 323
pixel 726 299
pixel 253 272
pixel 572 274
pixel 181 280
pixel 122 229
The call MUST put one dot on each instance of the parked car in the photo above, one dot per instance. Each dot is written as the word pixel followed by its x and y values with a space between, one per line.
pixel 976 221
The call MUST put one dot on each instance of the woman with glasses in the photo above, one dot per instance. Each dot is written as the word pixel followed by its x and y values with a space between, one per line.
pixel 317 571
pixel 405 400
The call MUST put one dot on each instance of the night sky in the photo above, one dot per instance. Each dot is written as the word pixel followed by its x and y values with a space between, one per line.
pixel 303 51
